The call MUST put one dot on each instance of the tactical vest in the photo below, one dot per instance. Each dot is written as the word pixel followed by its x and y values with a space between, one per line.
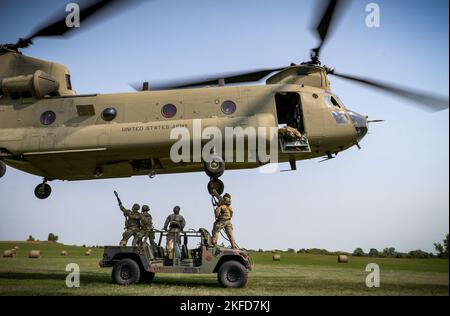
pixel 225 212
pixel 146 222
pixel 176 221
pixel 133 220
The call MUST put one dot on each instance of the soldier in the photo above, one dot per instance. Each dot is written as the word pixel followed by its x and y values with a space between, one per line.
pixel 175 222
pixel 219 198
pixel 223 214
pixel 146 226
pixel 131 224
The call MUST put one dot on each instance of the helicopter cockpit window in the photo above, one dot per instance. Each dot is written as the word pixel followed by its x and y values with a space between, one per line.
pixel 48 118
pixel 169 110
pixel 331 101
pixel 340 117
pixel 228 107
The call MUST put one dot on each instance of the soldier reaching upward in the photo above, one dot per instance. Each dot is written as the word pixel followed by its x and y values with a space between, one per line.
pixel 175 223
pixel 131 224
pixel 219 198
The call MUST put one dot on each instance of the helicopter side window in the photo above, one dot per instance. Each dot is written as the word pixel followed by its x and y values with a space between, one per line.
pixel 68 82
pixel 335 102
pixel 228 107
pixel 169 110
pixel 48 118
pixel 331 101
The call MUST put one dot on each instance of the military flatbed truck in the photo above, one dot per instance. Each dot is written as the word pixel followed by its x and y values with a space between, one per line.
pixel 140 264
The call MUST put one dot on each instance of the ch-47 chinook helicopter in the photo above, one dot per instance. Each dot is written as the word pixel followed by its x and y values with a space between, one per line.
pixel 49 131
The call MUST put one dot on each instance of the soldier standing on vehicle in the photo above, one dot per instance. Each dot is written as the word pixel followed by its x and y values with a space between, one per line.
pixel 131 224
pixel 175 223
pixel 223 214
pixel 146 226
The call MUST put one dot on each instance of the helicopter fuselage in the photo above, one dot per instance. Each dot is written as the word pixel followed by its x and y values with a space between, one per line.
pixel 79 141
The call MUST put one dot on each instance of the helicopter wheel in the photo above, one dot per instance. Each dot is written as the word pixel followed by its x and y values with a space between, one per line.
pixel 2 169
pixel 43 191
pixel 215 168
pixel 217 185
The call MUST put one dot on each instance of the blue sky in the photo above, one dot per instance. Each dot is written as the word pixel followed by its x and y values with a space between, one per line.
pixel 392 192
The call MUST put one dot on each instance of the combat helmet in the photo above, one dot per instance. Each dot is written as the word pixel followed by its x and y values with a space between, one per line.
pixel 145 208
pixel 136 207
pixel 176 209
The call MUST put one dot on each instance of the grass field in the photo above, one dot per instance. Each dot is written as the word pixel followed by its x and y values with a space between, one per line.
pixel 295 274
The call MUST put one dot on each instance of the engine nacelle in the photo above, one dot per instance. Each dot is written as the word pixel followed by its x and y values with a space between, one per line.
pixel 38 85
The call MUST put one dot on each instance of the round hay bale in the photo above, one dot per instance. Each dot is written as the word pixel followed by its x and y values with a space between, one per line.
pixel 88 252
pixel 342 259
pixel 63 253
pixel 276 257
pixel 8 254
pixel 35 254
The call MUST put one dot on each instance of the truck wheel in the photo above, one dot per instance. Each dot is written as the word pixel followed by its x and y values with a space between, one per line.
pixel 126 272
pixel 215 168
pixel 232 274
pixel 147 277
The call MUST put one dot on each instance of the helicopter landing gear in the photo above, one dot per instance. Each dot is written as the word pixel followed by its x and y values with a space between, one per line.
pixel 217 185
pixel 214 168
pixel 43 190
pixel 2 169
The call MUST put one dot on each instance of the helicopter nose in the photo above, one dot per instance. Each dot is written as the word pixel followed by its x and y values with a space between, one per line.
pixel 360 123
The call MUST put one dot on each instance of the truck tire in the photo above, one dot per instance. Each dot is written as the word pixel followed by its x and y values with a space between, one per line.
pixel 126 272
pixel 232 274
pixel 147 277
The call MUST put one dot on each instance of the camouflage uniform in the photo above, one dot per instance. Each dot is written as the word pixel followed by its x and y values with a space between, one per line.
pixel 223 214
pixel 175 222
pixel 289 133
pixel 219 198
pixel 146 226
pixel 131 224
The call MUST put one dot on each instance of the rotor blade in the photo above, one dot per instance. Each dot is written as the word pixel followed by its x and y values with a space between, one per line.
pixel 325 21
pixel 239 77
pixel 58 27
pixel 427 100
